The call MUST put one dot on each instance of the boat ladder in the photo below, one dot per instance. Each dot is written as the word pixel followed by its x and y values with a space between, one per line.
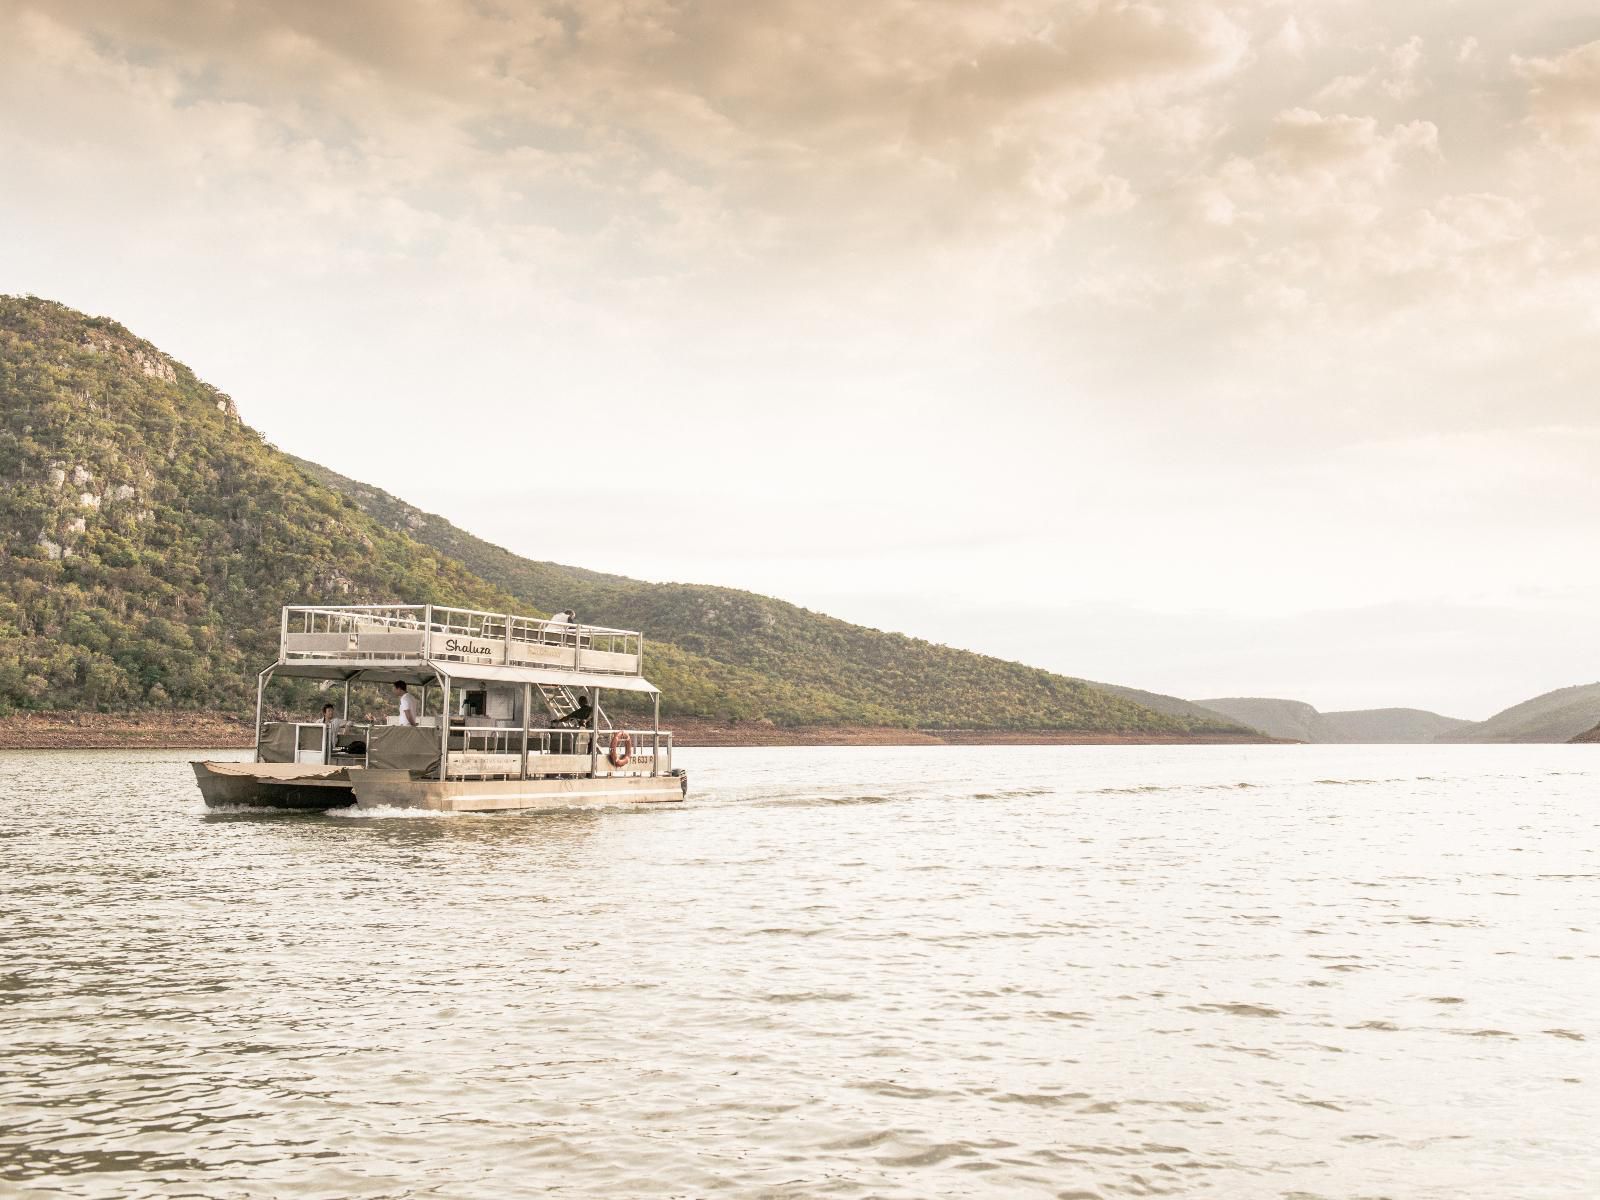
pixel 558 698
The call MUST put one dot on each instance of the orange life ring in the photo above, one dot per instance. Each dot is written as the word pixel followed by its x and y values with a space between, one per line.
pixel 621 748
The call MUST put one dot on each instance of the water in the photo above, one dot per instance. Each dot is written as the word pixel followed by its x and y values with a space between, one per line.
pixel 1068 972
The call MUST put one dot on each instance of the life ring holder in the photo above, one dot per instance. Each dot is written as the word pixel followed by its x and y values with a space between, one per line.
pixel 621 752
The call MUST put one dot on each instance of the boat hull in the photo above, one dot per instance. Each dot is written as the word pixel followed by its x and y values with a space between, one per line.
pixel 395 789
pixel 273 785
pixel 310 788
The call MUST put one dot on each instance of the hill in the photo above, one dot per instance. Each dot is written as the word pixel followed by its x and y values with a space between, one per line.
pixel 1558 716
pixel 846 670
pixel 148 538
pixel 1303 723
pixel 147 534
pixel 1171 705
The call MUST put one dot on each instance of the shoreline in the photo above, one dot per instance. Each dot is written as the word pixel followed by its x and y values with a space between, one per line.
pixel 214 731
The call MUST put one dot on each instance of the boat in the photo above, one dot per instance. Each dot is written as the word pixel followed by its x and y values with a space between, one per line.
pixel 509 714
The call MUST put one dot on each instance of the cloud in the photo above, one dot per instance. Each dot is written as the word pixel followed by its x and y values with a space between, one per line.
pixel 1564 95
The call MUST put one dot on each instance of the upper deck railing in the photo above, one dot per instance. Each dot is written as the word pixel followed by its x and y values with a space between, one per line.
pixel 383 633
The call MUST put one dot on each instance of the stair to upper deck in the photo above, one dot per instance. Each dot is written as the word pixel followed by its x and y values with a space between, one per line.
pixel 558 698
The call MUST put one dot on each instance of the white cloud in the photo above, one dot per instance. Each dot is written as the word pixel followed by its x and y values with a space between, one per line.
pixel 1564 95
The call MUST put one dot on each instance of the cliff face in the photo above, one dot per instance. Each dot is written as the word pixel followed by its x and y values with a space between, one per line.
pixel 148 538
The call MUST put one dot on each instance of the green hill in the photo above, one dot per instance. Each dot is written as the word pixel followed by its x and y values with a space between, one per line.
pixel 148 538
pixel 146 534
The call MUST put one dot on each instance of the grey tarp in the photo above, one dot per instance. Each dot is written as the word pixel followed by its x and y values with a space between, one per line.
pixel 403 748
pixel 277 741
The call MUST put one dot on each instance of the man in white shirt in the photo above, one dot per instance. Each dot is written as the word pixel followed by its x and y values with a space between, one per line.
pixel 408 703
pixel 551 631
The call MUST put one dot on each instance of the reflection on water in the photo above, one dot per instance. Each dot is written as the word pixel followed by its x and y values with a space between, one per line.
pixel 1080 972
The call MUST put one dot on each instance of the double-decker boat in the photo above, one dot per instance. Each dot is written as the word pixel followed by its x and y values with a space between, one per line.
pixel 508 715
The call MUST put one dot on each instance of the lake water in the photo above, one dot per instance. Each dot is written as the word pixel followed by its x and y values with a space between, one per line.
pixel 1265 971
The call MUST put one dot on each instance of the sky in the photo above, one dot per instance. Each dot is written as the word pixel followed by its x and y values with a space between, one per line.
pixel 1212 347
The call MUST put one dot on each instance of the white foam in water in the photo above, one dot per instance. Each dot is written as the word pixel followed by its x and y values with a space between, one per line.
pixel 355 811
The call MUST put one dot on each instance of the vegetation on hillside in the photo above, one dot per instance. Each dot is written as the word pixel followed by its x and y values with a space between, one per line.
pixel 148 537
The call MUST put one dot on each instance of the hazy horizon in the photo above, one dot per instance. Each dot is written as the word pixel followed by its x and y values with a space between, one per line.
pixel 1213 348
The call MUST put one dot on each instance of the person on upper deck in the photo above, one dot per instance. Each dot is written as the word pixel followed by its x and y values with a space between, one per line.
pixel 408 703
pixel 553 631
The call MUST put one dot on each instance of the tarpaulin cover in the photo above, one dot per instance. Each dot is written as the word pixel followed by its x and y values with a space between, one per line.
pixel 403 748
pixel 277 742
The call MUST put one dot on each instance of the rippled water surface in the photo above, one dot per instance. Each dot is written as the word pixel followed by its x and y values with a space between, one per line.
pixel 1070 972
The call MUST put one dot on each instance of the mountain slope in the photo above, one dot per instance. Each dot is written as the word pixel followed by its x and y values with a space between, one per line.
pixel 1303 723
pixel 1276 718
pixel 1171 705
pixel 148 538
pixel 901 680
pixel 1557 716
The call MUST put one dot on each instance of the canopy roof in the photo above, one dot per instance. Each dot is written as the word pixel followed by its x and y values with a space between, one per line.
pixel 421 671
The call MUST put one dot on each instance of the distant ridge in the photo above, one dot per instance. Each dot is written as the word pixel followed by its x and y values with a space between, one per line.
pixel 1563 715
pixel 1171 705
pixel 1302 723
pixel 1570 714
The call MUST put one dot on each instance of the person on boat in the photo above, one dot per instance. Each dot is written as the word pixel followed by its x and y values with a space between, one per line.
pixel 332 723
pixel 553 633
pixel 338 739
pixel 578 716
pixel 408 703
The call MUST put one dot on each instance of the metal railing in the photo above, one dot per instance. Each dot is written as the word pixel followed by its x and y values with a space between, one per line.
pixel 495 751
pixel 408 632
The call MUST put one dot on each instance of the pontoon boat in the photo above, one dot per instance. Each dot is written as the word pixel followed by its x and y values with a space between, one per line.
pixel 497 693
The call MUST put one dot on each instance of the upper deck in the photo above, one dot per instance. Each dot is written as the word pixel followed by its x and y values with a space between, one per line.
pixel 382 634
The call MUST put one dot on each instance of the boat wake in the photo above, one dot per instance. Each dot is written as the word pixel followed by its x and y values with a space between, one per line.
pixel 389 811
